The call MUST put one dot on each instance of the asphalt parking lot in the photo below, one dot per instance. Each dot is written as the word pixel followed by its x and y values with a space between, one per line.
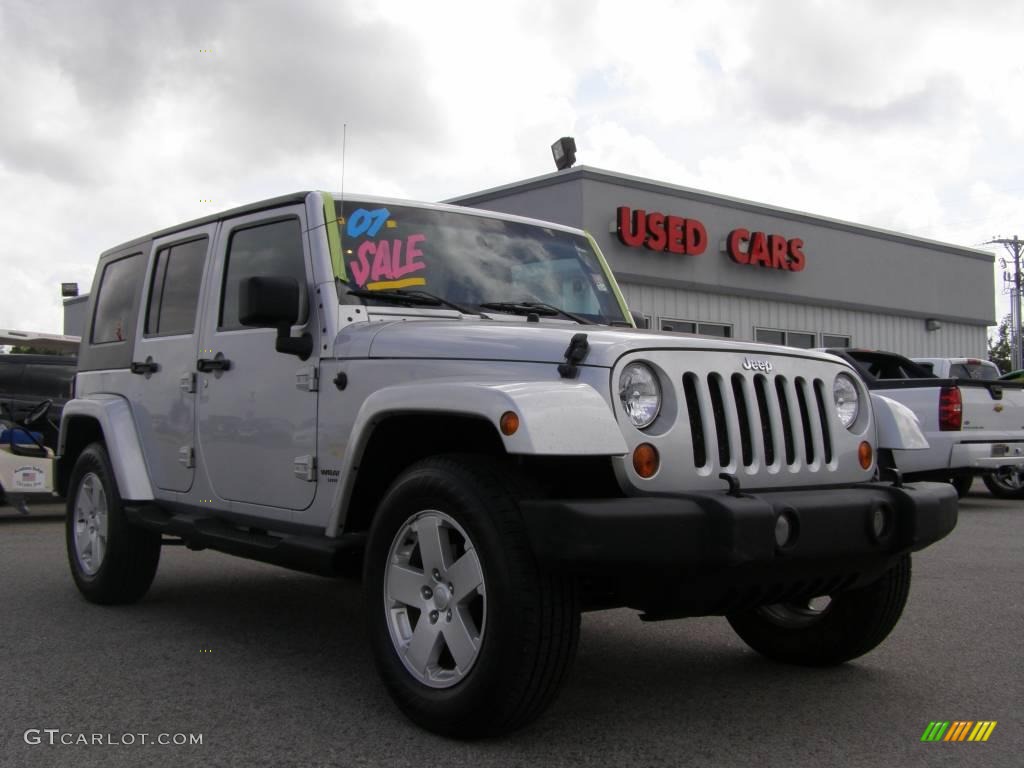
pixel 272 668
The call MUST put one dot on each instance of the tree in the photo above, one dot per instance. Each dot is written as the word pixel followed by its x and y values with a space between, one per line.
pixel 1000 346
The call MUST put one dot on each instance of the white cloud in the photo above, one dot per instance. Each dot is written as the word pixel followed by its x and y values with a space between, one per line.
pixel 902 116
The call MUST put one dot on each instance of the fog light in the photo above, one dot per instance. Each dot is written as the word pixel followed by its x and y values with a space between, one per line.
pixel 783 530
pixel 880 521
pixel 509 423
pixel 865 455
pixel 645 460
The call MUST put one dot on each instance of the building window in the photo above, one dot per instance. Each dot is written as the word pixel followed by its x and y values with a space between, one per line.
pixel 680 326
pixel 801 339
pixel 715 329
pixel 832 341
pixel 694 326
pixel 768 336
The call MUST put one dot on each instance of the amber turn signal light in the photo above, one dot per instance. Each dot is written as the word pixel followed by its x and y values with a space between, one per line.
pixel 645 460
pixel 864 454
pixel 509 423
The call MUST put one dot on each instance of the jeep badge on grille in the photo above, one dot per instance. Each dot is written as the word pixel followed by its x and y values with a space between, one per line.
pixel 757 365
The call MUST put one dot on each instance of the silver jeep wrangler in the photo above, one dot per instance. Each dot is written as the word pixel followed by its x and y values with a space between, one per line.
pixel 455 405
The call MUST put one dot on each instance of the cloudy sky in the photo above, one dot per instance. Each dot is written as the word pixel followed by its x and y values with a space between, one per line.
pixel 119 117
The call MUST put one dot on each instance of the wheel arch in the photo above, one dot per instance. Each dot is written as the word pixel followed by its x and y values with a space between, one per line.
pixel 395 441
pixel 105 418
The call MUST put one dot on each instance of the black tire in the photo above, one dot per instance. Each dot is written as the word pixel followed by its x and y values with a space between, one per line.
pixel 853 623
pixel 124 567
pixel 529 624
pixel 1005 483
pixel 963 484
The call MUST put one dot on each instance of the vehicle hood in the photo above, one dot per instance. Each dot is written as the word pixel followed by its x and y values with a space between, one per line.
pixel 544 342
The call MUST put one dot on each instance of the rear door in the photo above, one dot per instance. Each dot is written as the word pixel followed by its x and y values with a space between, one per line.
pixel 257 410
pixel 165 356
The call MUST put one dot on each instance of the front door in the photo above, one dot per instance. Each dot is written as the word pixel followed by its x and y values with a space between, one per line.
pixel 257 418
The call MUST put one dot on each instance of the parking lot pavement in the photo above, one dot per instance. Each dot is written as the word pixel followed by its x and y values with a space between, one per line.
pixel 272 668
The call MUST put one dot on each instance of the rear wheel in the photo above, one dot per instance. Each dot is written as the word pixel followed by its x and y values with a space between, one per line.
pixel 111 560
pixel 1006 482
pixel 828 630
pixel 471 636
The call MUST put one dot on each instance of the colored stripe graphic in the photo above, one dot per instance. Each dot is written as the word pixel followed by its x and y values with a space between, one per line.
pixel 959 730
pixel 982 730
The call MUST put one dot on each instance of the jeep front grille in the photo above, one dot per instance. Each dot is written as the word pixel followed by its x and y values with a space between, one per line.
pixel 757 420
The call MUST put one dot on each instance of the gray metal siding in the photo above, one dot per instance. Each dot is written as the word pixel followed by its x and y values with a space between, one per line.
pixel 873 330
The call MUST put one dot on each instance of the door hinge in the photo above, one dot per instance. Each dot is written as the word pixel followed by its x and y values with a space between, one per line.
pixel 187 456
pixel 304 468
pixel 187 382
pixel 308 379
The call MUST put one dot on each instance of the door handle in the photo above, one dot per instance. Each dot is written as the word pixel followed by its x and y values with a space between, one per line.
pixel 207 364
pixel 146 368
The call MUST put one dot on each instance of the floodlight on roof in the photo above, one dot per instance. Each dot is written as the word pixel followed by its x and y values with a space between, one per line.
pixel 564 152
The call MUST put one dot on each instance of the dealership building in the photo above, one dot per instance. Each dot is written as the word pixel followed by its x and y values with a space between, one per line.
pixel 696 262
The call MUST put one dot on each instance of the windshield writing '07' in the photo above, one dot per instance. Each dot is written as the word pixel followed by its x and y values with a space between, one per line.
pixel 472 260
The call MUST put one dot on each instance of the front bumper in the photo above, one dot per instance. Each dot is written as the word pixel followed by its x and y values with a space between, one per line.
pixel 710 553
pixel 985 456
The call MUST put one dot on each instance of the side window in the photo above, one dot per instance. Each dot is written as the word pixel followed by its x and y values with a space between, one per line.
pixel 114 318
pixel 266 249
pixel 174 292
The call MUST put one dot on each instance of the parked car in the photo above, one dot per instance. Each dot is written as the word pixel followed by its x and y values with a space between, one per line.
pixel 1013 376
pixel 26 380
pixel 974 426
pixel 454 403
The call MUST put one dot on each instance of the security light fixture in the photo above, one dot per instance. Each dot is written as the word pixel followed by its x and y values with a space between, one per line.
pixel 564 152
pixel 932 325
pixel 68 290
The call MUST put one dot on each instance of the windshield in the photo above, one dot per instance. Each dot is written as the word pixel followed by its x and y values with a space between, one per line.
pixel 472 260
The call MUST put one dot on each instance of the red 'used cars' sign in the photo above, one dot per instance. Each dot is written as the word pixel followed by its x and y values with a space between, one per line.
pixel 760 250
pixel 660 232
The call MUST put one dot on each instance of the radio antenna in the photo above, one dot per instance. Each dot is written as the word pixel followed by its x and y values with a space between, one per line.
pixel 344 135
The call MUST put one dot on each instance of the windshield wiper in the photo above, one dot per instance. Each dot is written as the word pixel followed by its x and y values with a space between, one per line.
pixel 410 298
pixel 538 307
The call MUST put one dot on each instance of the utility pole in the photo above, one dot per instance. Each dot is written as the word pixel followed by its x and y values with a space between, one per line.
pixel 1014 246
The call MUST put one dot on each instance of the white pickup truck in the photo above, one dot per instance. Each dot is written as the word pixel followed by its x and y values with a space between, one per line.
pixel 959 367
pixel 974 426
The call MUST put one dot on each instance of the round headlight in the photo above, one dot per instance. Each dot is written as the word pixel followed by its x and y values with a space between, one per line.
pixel 640 394
pixel 847 399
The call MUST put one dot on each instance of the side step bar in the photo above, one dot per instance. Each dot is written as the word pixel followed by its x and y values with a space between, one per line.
pixel 313 554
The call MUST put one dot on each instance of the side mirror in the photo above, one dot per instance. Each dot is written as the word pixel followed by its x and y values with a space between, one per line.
pixel 273 302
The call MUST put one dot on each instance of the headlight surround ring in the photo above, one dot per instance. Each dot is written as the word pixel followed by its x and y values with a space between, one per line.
pixel 640 394
pixel 846 399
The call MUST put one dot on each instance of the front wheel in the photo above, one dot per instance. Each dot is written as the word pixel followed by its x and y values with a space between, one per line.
pixel 828 630
pixel 471 636
pixel 1006 482
pixel 112 561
